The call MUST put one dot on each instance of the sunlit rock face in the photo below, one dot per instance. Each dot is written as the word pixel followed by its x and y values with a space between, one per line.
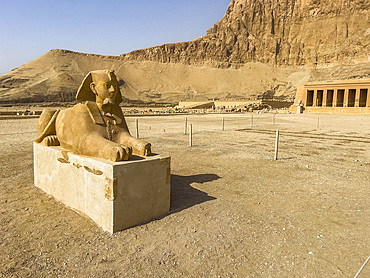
pixel 290 32
pixel 260 42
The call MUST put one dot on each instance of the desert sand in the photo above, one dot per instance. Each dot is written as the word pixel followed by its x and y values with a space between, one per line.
pixel 235 212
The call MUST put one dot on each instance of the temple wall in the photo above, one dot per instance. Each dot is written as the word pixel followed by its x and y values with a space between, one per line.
pixel 334 97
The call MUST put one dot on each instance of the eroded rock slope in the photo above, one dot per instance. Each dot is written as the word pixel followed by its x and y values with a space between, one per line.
pixel 257 48
pixel 289 32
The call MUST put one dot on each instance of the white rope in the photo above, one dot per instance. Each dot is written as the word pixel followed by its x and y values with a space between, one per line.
pixel 362 267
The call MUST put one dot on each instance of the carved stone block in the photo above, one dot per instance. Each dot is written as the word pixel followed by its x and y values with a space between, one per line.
pixel 116 195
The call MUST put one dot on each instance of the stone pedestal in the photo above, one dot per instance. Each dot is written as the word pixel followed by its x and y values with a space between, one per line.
pixel 116 195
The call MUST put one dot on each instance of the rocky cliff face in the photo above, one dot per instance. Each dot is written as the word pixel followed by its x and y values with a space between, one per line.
pixel 330 37
pixel 276 32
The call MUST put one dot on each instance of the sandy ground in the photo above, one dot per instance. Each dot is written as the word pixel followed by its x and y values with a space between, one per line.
pixel 235 212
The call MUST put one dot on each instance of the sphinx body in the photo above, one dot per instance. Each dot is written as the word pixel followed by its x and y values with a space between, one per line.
pixel 94 127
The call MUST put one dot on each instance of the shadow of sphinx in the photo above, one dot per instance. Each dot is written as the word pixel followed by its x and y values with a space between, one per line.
pixel 183 195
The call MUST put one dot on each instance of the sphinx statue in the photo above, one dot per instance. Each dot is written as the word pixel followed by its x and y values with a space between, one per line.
pixel 94 127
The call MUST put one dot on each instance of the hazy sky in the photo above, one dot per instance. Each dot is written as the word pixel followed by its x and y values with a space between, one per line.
pixel 30 28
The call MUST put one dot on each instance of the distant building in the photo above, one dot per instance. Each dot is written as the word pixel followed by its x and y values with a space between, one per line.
pixel 333 97
pixel 226 104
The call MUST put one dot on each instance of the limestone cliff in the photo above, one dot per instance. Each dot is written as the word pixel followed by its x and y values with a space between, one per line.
pixel 267 47
pixel 276 32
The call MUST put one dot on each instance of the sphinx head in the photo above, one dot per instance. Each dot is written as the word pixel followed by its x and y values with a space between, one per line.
pixel 100 86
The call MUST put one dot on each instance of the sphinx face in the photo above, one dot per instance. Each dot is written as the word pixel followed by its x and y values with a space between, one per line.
pixel 105 88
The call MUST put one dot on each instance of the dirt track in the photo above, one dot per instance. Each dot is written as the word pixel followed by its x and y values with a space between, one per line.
pixel 235 212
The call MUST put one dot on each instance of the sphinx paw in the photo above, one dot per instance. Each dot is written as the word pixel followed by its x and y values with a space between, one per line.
pixel 50 140
pixel 119 153
pixel 128 152
pixel 143 149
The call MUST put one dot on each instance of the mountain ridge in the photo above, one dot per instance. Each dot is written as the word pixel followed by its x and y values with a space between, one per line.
pixel 277 33
pixel 255 43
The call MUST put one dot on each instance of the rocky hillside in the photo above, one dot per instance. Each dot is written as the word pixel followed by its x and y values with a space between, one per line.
pixel 289 32
pixel 259 48
pixel 56 76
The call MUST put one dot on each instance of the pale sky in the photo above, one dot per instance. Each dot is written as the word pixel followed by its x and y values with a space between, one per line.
pixel 30 28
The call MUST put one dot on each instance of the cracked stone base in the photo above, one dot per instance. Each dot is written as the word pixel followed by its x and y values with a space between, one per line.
pixel 116 195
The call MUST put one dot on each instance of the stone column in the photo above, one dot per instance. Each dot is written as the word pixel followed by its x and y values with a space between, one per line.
pixel 368 98
pixel 314 103
pixel 324 97
pixel 335 97
pixel 345 99
pixel 357 98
